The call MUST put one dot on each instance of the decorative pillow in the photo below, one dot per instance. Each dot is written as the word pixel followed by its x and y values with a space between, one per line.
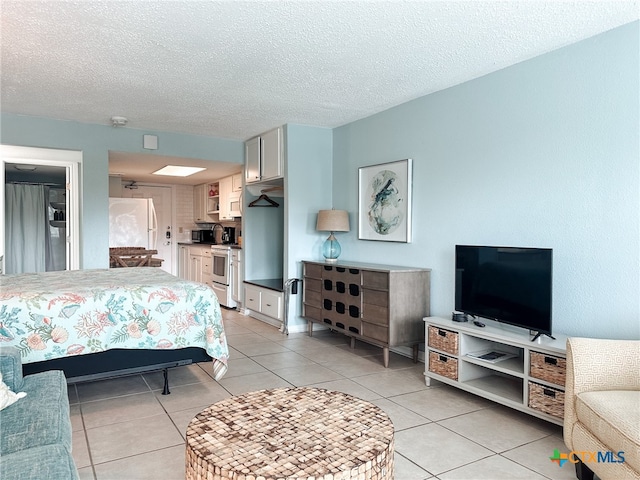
pixel 7 397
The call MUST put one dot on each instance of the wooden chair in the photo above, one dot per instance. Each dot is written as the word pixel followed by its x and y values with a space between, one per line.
pixel 133 257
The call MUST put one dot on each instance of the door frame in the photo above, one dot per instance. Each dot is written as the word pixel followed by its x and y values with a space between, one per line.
pixel 174 241
pixel 68 159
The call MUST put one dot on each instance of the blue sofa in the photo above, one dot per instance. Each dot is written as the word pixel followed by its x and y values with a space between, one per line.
pixel 35 432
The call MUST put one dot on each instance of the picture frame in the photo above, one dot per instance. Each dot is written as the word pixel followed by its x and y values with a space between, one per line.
pixel 384 201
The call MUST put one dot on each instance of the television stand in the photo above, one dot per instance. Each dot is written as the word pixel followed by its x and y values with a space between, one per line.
pixel 498 362
pixel 538 334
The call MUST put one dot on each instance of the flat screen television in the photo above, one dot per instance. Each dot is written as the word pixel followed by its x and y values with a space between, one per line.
pixel 508 284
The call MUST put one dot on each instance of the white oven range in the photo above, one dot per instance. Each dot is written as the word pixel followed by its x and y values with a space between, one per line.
pixel 222 273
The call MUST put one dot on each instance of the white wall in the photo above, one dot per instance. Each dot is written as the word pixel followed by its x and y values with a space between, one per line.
pixel 542 154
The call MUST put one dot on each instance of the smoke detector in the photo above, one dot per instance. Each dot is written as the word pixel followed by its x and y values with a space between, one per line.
pixel 118 121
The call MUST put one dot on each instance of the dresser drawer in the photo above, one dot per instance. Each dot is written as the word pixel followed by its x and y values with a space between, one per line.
pixel 312 298
pixel 378 280
pixel 373 314
pixel 312 284
pixel 341 274
pixel 375 332
pixel 311 270
pixel 312 312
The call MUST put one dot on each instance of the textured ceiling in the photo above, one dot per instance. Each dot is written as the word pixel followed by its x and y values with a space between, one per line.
pixel 233 69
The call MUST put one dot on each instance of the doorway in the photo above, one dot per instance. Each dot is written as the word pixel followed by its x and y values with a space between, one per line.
pixel 56 173
pixel 162 200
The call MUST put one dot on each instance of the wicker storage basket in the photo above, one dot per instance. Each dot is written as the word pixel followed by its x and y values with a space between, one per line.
pixel 444 340
pixel 546 399
pixel 548 368
pixel 443 365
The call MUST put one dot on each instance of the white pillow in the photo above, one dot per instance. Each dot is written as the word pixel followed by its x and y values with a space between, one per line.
pixel 7 397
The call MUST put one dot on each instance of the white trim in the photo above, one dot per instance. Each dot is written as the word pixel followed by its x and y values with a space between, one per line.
pixel 69 159
pixel 174 216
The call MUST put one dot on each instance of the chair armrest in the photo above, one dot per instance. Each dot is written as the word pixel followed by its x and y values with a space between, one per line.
pixel 597 365
pixel 11 367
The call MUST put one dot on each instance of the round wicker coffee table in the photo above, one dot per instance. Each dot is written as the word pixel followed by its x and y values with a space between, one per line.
pixel 290 433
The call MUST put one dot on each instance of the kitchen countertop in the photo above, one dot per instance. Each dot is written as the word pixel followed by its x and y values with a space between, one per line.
pixel 209 244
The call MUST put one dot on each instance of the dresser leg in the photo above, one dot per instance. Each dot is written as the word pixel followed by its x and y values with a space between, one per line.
pixel 415 353
pixel 310 327
pixel 353 342
pixel 385 356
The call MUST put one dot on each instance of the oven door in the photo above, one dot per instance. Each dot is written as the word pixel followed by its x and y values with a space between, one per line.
pixel 221 262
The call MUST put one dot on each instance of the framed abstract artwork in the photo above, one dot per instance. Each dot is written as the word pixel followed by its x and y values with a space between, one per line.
pixel 384 202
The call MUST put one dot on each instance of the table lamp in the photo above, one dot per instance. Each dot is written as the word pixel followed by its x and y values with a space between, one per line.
pixel 332 221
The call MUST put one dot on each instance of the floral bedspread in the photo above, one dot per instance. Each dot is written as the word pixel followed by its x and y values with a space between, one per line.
pixel 58 314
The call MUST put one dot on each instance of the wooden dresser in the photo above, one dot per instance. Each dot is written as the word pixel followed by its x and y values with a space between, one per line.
pixel 379 304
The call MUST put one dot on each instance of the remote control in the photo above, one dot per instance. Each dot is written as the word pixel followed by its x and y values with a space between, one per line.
pixel 478 324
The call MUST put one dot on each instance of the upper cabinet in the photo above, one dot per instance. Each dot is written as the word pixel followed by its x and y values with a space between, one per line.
pixel 206 202
pixel 264 158
pixel 236 182
pixel 225 191
pixel 230 194
pixel 200 194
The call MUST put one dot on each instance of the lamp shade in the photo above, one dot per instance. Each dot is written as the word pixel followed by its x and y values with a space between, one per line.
pixel 333 221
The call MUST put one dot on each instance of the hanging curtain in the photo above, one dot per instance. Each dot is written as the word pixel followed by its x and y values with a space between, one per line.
pixel 49 254
pixel 26 228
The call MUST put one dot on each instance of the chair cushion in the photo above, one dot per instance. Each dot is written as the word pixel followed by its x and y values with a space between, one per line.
pixel 614 418
pixel 11 367
pixel 40 418
pixel 44 462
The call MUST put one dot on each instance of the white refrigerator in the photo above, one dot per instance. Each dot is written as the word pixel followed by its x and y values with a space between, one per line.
pixel 132 223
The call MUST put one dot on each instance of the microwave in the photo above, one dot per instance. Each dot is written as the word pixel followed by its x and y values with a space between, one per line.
pixel 202 236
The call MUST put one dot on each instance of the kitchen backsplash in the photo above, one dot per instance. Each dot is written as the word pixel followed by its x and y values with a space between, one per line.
pixel 184 215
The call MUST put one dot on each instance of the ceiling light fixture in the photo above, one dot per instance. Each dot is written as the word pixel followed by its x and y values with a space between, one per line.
pixel 117 121
pixel 25 168
pixel 178 171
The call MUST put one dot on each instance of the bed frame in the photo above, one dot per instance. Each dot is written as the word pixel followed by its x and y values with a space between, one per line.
pixel 119 362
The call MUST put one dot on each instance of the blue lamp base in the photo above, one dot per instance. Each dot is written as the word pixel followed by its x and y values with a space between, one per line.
pixel 331 249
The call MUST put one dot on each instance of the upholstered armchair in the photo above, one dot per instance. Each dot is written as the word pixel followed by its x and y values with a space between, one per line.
pixel 602 408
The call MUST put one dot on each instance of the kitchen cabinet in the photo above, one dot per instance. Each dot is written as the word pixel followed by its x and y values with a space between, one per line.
pixel 195 267
pixel 206 266
pixel 183 262
pixel 236 276
pixel 264 159
pixel 213 198
pixel 236 182
pixel 195 263
pixel 229 200
pixel 262 301
pixel 225 192
pixel 202 205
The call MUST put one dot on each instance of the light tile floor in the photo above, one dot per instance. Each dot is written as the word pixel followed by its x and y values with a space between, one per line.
pixel 125 428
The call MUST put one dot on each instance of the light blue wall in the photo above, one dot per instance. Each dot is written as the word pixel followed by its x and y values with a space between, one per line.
pixel 95 141
pixel 308 187
pixel 544 154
